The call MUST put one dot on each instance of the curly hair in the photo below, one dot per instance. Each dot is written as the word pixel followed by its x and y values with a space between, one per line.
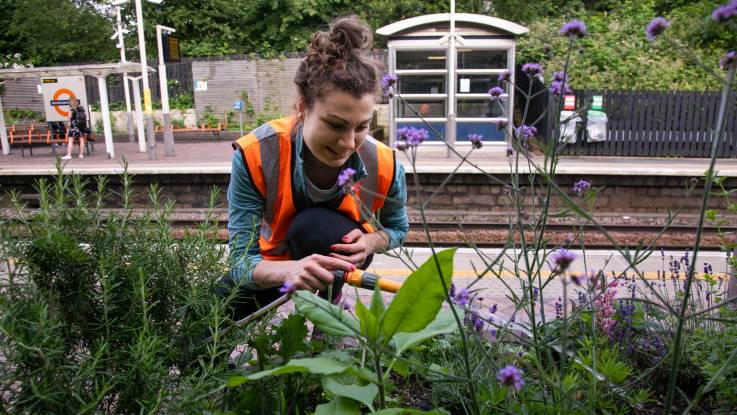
pixel 338 60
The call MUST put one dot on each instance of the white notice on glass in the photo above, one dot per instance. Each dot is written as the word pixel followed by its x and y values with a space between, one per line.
pixel 465 85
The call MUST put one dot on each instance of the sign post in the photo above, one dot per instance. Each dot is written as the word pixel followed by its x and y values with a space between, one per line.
pixel 58 92
pixel 238 106
pixel 164 88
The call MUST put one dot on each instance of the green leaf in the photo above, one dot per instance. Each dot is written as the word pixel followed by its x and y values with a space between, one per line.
pixel 315 365
pixel 369 325
pixel 291 333
pixel 338 406
pixel 327 317
pixel 420 297
pixel 377 303
pixel 365 394
pixel 444 323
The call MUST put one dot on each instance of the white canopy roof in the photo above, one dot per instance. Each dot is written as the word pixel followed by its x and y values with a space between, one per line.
pixel 477 19
pixel 101 69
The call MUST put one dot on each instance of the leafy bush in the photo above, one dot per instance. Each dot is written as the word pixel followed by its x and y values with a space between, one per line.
pixel 102 311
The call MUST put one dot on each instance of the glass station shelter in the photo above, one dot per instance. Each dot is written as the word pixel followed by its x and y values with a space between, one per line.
pixel 446 63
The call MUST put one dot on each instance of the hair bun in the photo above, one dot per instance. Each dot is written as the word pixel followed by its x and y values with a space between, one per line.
pixel 348 37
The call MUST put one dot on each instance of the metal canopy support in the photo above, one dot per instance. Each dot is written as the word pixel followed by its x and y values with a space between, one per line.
pixel 139 115
pixel 105 108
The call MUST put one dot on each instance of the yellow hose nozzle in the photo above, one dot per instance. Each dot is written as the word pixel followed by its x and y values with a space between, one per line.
pixel 368 280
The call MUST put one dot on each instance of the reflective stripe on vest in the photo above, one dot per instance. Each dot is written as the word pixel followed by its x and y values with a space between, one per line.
pixel 267 154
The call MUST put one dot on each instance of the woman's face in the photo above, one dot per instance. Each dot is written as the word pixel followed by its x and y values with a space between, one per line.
pixel 336 126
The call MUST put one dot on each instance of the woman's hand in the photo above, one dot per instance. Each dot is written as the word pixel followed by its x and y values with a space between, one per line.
pixel 358 246
pixel 314 272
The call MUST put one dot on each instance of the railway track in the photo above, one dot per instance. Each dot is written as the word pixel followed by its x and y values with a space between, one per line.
pixel 493 230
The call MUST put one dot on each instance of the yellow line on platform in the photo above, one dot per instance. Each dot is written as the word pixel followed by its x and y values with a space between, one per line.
pixel 467 273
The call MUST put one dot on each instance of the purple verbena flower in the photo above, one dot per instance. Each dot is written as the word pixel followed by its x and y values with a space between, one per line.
pixel 532 70
pixel 729 59
pixel 510 151
pixel 412 136
pixel 496 94
pixel 288 288
pixel 560 76
pixel 462 297
pixel 581 186
pixel 452 290
pixel 656 27
pixel 476 140
pixel 510 376
pixel 505 76
pixel 558 309
pixel 560 88
pixel 525 132
pixel 346 176
pixel 574 28
pixel 492 309
pixel 562 258
pixel 387 84
pixel 725 12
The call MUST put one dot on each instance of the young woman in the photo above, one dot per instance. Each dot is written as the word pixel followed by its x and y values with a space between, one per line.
pixel 77 128
pixel 292 221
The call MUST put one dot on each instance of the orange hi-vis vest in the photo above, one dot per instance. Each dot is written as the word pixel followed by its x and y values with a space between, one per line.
pixel 267 154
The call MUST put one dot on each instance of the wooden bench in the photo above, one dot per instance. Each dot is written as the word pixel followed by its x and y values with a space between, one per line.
pixel 36 135
pixel 203 128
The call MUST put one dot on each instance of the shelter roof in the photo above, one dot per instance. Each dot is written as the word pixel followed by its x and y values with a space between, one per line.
pixel 99 69
pixel 493 25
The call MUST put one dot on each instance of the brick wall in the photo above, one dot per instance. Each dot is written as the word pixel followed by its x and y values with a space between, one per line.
pixel 465 198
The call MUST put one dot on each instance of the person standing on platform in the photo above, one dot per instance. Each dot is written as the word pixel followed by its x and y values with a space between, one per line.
pixel 294 216
pixel 77 128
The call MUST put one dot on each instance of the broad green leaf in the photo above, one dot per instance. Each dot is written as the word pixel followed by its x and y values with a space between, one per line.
pixel 315 365
pixel 368 321
pixel 327 317
pixel 377 303
pixel 292 332
pixel 401 367
pixel 338 406
pixel 421 296
pixel 443 323
pixel 365 394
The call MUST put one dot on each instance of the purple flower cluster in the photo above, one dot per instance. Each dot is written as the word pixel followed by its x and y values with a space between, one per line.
pixel 560 84
pixel 729 59
pixel 452 290
pixel 525 132
pixel 574 28
pixel 532 70
pixel 346 177
pixel 476 140
pixel 656 27
pixel 725 12
pixel 558 309
pixel 510 151
pixel 474 321
pixel 410 137
pixel 581 186
pixel 510 376
pixel 387 84
pixel 505 76
pixel 562 259
pixel 288 288
pixel 462 297
pixel 496 94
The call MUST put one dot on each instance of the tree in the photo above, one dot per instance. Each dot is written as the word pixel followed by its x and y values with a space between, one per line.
pixel 56 31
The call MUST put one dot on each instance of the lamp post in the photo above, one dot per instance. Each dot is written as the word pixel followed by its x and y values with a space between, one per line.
pixel 3 132
pixel 120 34
pixel 164 88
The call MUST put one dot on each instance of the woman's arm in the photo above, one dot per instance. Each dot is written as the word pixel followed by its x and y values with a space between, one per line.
pixel 245 209
pixel 357 246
